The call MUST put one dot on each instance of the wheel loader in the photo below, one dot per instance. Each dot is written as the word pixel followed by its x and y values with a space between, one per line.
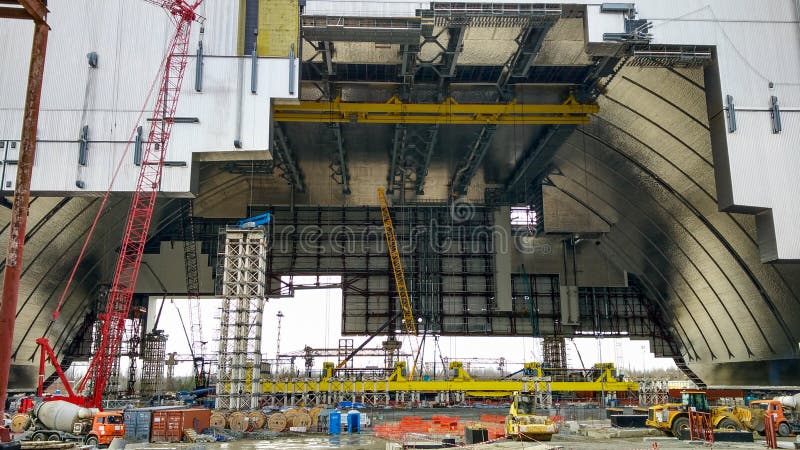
pixel 671 418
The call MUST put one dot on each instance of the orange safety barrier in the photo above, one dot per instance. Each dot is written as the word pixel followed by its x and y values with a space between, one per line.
pixel 493 418
pixel 700 427
pixel 770 431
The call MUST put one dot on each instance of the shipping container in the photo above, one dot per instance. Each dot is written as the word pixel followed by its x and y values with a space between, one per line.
pixel 168 426
pixel 139 420
pixel 137 425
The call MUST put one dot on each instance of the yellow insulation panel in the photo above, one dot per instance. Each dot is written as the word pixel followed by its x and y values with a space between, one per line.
pixel 278 27
pixel 240 39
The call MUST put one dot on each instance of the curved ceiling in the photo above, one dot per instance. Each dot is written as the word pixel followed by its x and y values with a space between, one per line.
pixel 643 166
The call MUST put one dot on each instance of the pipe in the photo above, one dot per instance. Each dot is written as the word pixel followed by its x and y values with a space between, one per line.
pixel 254 72
pixel 574 265
pixel 237 142
pixel 19 210
pixel 198 68
pixel 291 69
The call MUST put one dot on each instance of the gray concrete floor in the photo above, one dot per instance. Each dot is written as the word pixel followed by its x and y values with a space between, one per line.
pixel 368 442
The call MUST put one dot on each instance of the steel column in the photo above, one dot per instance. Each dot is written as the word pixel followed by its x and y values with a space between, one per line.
pixel 466 171
pixel 19 210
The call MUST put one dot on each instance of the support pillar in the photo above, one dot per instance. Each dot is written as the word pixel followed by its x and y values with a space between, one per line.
pixel 19 210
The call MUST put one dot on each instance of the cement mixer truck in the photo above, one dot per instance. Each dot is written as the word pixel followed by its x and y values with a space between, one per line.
pixel 785 411
pixel 59 420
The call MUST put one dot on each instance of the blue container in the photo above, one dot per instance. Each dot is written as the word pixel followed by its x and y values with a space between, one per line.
pixel 335 422
pixel 137 425
pixel 354 422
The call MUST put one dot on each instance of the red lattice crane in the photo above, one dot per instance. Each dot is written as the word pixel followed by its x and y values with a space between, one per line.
pixel 183 13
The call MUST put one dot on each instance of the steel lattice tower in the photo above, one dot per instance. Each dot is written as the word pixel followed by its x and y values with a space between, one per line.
pixel 153 354
pixel 243 291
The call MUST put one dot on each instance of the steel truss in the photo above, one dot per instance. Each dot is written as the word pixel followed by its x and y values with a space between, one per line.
pixel 448 256
pixel 243 281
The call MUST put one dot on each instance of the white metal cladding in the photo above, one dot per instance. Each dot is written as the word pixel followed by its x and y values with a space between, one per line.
pixel 130 37
pixel 758 56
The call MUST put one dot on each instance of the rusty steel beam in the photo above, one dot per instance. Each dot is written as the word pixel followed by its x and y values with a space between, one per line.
pixel 25 9
pixel 36 9
pixel 14 13
pixel 19 210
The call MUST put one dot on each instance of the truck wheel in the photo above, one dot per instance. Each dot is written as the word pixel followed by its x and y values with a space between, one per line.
pixel 728 425
pixel 784 430
pixel 91 440
pixel 39 437
pixel 678 424
pixel 54 437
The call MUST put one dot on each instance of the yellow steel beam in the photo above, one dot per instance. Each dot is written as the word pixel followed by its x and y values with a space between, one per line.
pixel 497 386
pixel 447 112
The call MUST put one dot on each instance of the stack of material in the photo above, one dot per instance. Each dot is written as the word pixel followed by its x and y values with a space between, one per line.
pixel 193 436
pixel 48 445
pixel 261 435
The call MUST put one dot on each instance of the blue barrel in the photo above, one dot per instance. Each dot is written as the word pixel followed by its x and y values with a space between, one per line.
pixel 335 422
pixel 354 421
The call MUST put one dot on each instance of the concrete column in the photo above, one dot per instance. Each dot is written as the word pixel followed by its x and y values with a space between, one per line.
pixel 502 257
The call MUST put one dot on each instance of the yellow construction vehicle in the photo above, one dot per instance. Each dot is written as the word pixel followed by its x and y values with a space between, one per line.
pixel 524 424
pixel 671 418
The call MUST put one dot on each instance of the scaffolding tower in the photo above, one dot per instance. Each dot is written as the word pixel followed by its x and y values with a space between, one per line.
pixel 243 291
pixel 153 354
pixel 653 392
pixel 554 349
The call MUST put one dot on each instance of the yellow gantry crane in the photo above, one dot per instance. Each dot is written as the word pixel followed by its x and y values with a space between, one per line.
pixel 409 323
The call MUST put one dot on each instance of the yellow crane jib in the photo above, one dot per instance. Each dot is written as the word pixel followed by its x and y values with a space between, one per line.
pixel 397 266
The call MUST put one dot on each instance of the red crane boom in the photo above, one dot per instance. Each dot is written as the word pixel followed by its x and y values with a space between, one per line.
pixel 144 199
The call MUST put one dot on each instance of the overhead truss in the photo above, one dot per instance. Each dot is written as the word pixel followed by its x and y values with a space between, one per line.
pixel 448 112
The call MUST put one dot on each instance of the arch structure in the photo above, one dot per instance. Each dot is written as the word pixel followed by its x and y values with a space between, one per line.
pixel 669 215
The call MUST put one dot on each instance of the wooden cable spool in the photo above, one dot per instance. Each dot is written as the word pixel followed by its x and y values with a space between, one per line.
pixel 238 421
pixel 217 419
pixel 314 413
pixel 301 419
pixel 277 422
pixel 20 422
pixel 257 419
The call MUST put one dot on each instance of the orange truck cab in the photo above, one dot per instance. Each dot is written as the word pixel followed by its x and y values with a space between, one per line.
pixel 785 424
pixel 106 426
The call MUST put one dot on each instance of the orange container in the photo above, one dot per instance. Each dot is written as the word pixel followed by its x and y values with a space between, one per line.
pixel 168 425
